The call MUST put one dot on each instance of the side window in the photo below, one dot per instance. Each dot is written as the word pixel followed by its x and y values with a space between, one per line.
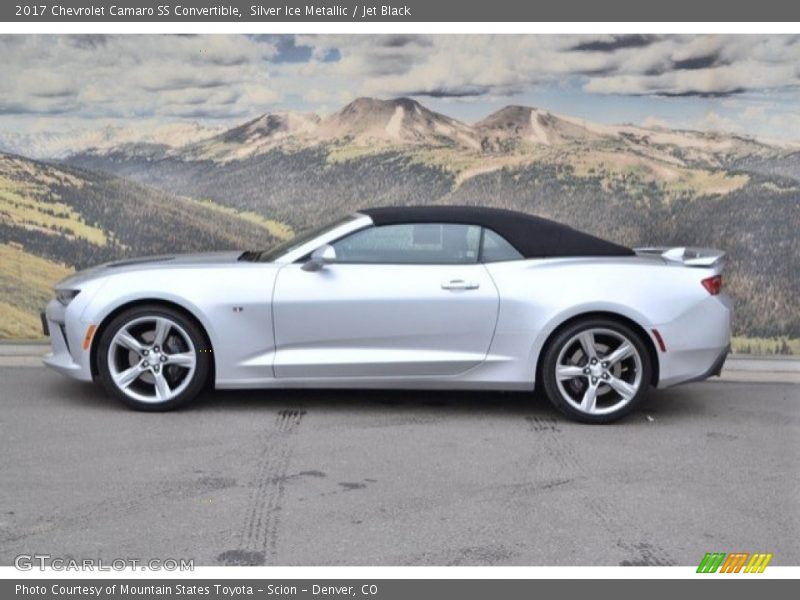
pixel 412 243
pixel 495 248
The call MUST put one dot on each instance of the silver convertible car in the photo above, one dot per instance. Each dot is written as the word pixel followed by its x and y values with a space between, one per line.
pixel 436 297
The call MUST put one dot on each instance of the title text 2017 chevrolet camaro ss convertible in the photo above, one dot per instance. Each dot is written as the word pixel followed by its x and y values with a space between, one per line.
pixel 436 297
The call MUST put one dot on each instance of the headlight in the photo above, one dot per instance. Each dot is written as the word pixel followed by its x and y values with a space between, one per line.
pixel 66 296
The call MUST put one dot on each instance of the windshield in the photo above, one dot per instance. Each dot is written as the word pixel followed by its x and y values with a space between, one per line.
pixel 299 239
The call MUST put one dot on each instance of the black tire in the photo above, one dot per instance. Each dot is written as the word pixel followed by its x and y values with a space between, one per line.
pixel 186 327
pixel 605 329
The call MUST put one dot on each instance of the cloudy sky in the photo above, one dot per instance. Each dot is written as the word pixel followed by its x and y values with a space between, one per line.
pixel 747 84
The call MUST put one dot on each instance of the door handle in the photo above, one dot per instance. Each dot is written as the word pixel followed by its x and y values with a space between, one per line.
pixel 460 284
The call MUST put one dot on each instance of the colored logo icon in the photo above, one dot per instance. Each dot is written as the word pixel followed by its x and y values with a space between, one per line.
pixel 737 562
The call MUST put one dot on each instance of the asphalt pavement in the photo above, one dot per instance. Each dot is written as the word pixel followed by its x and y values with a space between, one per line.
pixel 397 478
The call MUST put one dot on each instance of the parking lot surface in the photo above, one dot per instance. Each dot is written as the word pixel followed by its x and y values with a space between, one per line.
pixel 397 478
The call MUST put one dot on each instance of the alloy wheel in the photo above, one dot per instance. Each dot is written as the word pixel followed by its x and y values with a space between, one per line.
pixel 151 359
pixel 598 371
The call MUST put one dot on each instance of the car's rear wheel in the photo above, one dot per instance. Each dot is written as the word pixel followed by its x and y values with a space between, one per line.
pixel 596 370
pixel 153 358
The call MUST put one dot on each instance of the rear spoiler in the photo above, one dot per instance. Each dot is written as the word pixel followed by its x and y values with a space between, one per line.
pixel 687 255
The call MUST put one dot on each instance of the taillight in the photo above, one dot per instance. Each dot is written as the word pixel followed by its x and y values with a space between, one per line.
pixel 713 284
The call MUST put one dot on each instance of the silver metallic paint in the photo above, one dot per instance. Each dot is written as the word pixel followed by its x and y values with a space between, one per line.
pixel 398 326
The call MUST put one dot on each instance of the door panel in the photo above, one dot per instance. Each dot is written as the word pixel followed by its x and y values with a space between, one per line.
pixel 362 320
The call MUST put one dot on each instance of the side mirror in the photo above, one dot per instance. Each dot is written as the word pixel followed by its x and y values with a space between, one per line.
pixel 324 255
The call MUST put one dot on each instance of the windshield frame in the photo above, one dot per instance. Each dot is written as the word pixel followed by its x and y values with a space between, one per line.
pixel 307 241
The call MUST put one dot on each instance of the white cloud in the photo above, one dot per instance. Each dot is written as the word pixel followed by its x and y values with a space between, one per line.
pixel 652 121
pixel 133 75
pixel 457 65
pixel 754 112
pixel 228 77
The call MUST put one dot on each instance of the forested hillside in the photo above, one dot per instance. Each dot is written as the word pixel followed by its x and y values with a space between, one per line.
pixel 56 219
pixel 279 173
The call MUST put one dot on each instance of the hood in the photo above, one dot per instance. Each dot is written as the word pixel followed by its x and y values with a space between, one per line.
pixel 202 258
pixel 164 261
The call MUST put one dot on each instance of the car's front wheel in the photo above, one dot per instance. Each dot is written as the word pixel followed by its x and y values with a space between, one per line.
pixel 596 370
pixel 153 358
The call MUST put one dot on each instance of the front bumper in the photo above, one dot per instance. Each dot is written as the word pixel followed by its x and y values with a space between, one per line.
pixel 67 355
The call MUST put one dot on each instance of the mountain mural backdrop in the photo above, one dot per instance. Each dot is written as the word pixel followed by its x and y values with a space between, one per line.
pixel 261 181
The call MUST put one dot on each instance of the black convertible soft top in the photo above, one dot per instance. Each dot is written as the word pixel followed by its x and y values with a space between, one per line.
pixel 533 237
